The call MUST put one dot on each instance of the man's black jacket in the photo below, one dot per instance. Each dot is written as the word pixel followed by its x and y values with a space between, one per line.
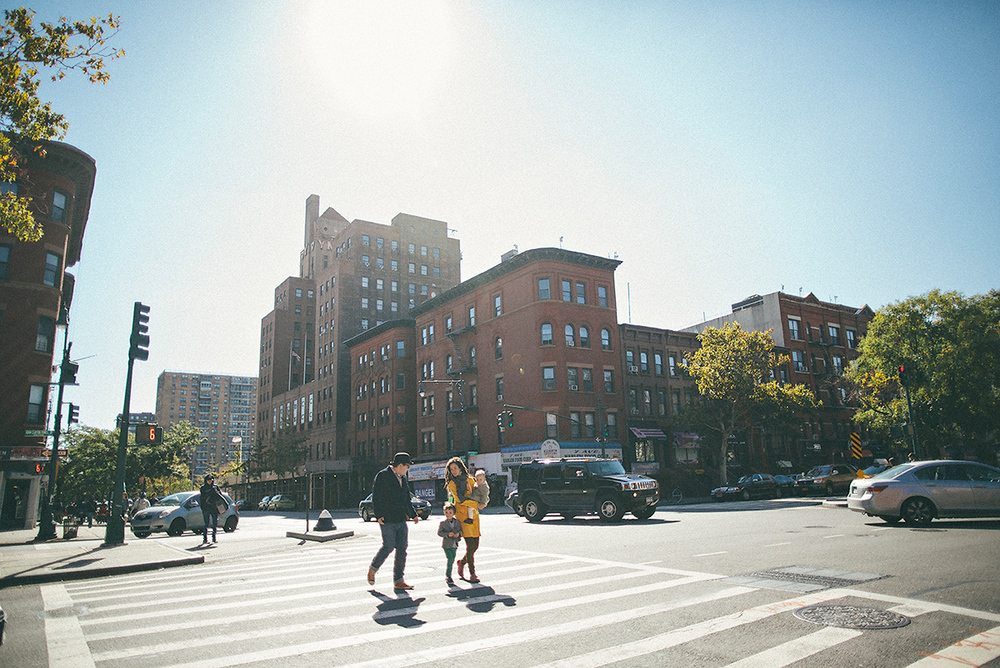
pixel 390 500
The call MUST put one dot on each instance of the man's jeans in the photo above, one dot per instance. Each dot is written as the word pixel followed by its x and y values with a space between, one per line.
pixel 394 537
pixel 210 519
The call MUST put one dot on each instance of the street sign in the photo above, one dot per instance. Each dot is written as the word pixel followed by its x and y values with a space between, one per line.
pixel 856 445
pixel 37 432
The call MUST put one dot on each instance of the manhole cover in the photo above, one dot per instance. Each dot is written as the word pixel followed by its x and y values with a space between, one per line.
pixel 851 617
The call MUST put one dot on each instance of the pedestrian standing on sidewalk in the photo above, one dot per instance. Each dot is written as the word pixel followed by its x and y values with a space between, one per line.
pixel 141 503
pixel 392 507
pixel 450 531
pixel 211 499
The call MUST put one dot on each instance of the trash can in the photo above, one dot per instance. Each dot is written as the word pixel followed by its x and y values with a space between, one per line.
pixel 70 527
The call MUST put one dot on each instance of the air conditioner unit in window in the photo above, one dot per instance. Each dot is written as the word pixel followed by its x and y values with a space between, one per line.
pixel 633 369
pixel 499 397
pixel 635 411
pixel 574 388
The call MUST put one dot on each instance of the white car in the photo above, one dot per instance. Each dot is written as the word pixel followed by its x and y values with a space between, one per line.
pixel 920 491
pixel 178 513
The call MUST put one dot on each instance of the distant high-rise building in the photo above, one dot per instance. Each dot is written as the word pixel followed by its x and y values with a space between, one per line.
pixel 223 408
pixel 35 296
pixel 353 276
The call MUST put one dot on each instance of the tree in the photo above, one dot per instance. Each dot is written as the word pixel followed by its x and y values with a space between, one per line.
pixel 89 469
pixel 733 369
pixel 286 453
pixel 26 121
pixel 950 348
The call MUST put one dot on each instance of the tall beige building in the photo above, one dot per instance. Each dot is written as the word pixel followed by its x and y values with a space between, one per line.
pixel 223 408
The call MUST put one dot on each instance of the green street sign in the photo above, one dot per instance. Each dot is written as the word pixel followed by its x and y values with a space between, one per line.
pixel 37 432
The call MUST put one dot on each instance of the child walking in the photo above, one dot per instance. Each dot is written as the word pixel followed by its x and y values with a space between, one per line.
pixel 450 531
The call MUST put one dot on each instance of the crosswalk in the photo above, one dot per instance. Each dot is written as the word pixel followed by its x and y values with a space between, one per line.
pixel 312 607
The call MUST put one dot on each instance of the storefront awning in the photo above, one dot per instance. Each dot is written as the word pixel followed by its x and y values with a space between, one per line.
pixel 647 433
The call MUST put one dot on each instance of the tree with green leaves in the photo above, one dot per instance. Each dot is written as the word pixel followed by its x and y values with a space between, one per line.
pixel 26 121
pixel 733 369
pixel 949 346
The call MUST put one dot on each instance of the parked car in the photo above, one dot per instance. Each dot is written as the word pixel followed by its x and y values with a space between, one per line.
pixel 579 486
pixel 281 502
pixel 826 479
pixel 753 486
pixel 178 513
pixel 262 504
pixel 920 491
pixel 422 506
pixel 242 505
pixel 786 484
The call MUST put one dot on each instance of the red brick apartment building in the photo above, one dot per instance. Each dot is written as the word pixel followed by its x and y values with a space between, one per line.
pixel 821 340
pixel 35 296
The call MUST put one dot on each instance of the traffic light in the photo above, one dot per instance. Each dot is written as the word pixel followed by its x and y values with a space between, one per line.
pixel 148 433
pixel 510 419
pixel 904 376
pixel 74 414
pixel 39 467
pixel 139 349
pixel 67 374
pixel 501 422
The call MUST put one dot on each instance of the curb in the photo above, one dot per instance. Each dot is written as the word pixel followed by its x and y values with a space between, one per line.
pixel 42 578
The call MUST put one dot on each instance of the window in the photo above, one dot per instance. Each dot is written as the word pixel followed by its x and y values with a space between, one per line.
pixel 364 302
pixel 36 405
pixel 58 206
pixel 602 295
pixel 547 334
pixel 412 249
pixel 834 335
pixel 799 361
pixel 793 329
pixel 570 336
pixel 496 306
pixel 551 426
pixel 378 304
pixel 423 251
pixel 838 364
pixel 587 380
pixel 647 401
pixel 447 324
pixel 412 268
pixel 400 348
pixel 448 363
pixel 427 405
pixel 500 388
pixel 365 240
pixel 498 347
pixel 567 291
pixel 53 266
pixel 612 425
pixel 4 261
pixel 581 293
pixel 591 424
pixel 394 265
pixel 46 334
pixel 852 336
pixel 380 242
pixel 606 339
pixel 394 286
pixel 574 425
pixel 473 396
pixel 573 378
pixel 544 292
pixel 584 337
pixel 609 381
pixel 661 402
pixel 676 401
pixel 630 358
pixel 672 363
pixel 548 378
pixel 472 316
pixel 394 246
pixel 644 361
pixel 472 357
pixel 401 381
pixel 423 270
pixel 658 363
pixel 413 289
pixel 365 260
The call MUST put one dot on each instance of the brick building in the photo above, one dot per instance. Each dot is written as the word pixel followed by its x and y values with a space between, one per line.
pixel 35 296
pixel 223 408
pixel 821 340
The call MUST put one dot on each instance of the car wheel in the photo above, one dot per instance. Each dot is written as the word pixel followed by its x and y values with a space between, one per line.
pixel 176 527
pixel 366 515
pixel 141 534
pixel 889 519
pixel 829 489
pixel 645 513
pixel 425 515
pixel 745 495
pixel 534 511
pixel 777 493
pixel 918 511
pixel 610 510
pixel 230 525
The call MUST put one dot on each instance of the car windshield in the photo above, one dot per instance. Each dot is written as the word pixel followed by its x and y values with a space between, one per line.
pixel 173 500
pixel 818 472
pixel 745 479
pixel 607 467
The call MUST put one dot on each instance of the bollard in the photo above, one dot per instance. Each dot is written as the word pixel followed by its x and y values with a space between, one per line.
pixel 325 522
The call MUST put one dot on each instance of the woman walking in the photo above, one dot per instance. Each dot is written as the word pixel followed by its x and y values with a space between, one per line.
pixel 459 486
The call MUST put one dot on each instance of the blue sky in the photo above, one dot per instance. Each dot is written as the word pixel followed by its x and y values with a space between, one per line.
pixel 719 149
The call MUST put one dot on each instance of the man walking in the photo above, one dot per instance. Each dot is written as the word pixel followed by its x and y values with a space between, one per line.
pixel 211 498
pixel 391 507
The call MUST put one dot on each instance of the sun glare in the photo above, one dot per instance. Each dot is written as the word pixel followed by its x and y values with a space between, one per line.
pixel 383 59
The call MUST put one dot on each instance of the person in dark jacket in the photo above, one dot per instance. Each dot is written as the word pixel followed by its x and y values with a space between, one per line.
pixel 392 507
pixel 211 498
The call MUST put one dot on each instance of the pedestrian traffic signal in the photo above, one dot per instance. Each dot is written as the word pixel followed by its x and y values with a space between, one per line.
pixel 74 414
pixel 148 433
pixel 67 375
pixel 139 348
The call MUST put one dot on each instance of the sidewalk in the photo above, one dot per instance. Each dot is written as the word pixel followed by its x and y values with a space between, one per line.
pixel 24 562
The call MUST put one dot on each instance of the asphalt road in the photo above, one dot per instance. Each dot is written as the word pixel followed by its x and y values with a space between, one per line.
pixel 707 585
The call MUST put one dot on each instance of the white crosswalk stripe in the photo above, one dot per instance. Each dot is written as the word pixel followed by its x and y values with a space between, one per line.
pixel 313 605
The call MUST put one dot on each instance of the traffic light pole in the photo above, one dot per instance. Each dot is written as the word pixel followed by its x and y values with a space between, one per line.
pixel 600 427
pixel 47 526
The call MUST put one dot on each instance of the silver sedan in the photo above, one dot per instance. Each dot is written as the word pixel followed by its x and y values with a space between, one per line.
pixel 921 491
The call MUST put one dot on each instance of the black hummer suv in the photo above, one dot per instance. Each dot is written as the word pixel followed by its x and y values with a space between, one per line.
pixel 581 486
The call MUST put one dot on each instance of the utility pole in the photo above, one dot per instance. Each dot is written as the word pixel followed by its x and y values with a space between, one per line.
pixel 67 376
